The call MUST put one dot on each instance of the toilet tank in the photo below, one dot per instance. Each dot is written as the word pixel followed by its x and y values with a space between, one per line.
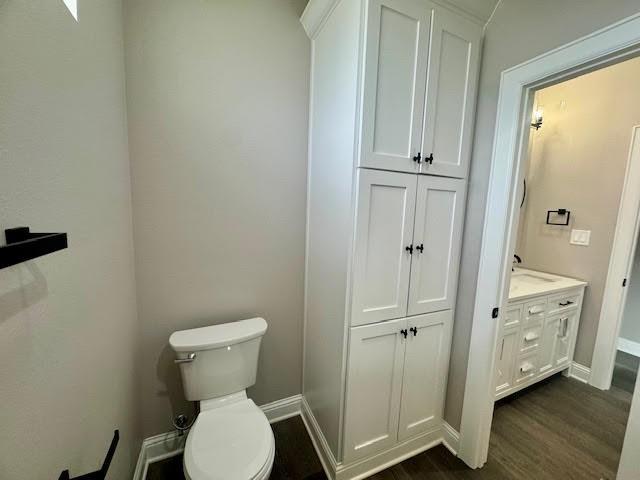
pixel 218 360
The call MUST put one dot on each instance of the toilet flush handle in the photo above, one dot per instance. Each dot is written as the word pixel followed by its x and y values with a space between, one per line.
pixel 190 358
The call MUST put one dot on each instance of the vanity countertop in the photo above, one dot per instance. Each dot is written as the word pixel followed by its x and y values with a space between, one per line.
pixel 530 283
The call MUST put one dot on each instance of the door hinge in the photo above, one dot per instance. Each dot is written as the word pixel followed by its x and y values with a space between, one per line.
pixel 495 312
pixel 624 282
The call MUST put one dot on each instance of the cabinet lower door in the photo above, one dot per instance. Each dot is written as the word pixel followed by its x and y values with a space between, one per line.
pixel 426 363
pixel 436 241
pixel 453 70
pixel 384 231
pixel 566 337
pixel 549 343
pixel 374 384
pixel 394 83
pixel 505 362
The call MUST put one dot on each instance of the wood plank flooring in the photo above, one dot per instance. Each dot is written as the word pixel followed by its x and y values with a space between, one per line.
pixel 559 429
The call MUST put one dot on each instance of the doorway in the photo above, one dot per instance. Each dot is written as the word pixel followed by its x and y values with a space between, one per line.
pixel 519 84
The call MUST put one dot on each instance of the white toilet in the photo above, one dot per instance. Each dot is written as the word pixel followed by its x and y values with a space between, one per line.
pixel 231 438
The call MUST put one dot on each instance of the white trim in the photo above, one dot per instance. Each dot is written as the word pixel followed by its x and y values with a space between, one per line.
pixel 170 444
pixel 629 346
pixel 500 220
pixel 450 438
pixel 320 444
pixel 620 265
pixel 580 372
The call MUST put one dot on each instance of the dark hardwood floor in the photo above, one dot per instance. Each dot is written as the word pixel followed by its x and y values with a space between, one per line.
pixel 559 429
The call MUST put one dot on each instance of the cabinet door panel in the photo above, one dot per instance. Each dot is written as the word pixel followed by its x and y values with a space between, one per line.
pixel 386 203
pixel 548 344
pixel 438 229
pixel 425 371
pixel 505 361
pixel 450 103
pixel 374 382
pixel 394 83
pixel 566 337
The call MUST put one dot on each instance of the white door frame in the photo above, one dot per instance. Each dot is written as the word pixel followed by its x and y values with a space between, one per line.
pixel 620 265
pixel 517 86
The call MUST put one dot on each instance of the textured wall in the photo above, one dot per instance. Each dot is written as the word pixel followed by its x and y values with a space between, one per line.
pixel 218 106
pixel 519 31
pixel 68 330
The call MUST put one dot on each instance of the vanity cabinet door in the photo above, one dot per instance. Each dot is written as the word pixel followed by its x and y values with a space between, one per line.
pixel 425 372
pixel 384 231
pixel 505 361
pixel 436 240
pixel 566 339
pixel 374 385
pixel 395 76
pixel 549 342
pixel 449 112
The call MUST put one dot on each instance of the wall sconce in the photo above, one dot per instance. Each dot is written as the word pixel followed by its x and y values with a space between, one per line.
pixel 537 118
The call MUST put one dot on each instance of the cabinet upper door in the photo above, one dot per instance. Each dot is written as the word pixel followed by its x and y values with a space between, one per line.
pixel 374 383
pixel 426 363
pixel 450 103
pixel 384 228
pixel 437 237
pixel 395 75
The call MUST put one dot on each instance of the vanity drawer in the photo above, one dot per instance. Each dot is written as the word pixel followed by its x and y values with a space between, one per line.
pixel 530 338
pixel 512 316
pixel 526 368
pixel 534 311
pixel 564 301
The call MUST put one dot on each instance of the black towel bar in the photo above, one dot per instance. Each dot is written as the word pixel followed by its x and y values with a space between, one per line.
pixel 22 245
pixel 98 474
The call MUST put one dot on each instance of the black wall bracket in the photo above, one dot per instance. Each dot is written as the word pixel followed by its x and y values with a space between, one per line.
pixel 561 212
pixel 22 245
pixel 98 474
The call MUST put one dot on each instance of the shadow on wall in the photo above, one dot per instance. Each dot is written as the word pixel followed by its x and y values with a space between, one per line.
pixel 168 375
pixel 26 286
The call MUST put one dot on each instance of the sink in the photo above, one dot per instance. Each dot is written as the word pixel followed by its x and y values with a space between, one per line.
pixel 531 279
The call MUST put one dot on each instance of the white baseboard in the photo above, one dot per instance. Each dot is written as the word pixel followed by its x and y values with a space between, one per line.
pixel 629 346
pixel 320 444
pixel 169 444
pixel 580 372
pixel 450 438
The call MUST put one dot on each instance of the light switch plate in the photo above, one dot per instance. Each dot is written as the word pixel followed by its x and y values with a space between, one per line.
pixel 580 237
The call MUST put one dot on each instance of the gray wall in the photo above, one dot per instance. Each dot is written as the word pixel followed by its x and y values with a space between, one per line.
pixel 578 161
pixel 68 329
pixel 218 107
pixel 519 30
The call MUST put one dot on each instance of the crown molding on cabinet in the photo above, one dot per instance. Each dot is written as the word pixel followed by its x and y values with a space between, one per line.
pixel 317 11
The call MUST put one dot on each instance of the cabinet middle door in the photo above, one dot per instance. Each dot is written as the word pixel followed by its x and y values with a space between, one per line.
pixel 395 75
pixel 384 228
pixel 449 112
pixel 436 239
pixel 426 363
pixel 374 384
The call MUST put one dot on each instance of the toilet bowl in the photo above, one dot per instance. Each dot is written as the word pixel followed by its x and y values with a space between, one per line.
pixel 230 442
pixel 231 438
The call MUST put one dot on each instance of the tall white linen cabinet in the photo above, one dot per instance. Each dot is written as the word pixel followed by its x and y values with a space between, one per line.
pixel 393 87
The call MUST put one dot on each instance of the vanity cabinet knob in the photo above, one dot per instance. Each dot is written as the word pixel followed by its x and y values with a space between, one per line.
pixel 566 304
pixel 409 249
pixel 535 310
pixel 418 158
pixel 414 330
pixel 530 337
pixel 404 332
pixel 420 248
pixel 527 367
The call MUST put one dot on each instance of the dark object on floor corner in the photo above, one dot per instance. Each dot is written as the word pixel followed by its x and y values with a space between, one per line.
pixel 102 473
pixel 22 245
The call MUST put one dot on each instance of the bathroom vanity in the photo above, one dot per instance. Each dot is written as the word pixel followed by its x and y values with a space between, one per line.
pixel 538 329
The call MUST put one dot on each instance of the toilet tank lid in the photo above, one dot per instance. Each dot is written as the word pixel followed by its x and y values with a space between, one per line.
pixel 216 336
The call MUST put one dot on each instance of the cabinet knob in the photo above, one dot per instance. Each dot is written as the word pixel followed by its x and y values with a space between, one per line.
pixel 429 159
pixel 420 248
pixel 414 330
pixel 418 158
pixel 404 332
pixel 409 249
pixel 565 304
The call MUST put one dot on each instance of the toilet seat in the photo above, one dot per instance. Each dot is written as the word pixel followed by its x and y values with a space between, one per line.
pixel 232 442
